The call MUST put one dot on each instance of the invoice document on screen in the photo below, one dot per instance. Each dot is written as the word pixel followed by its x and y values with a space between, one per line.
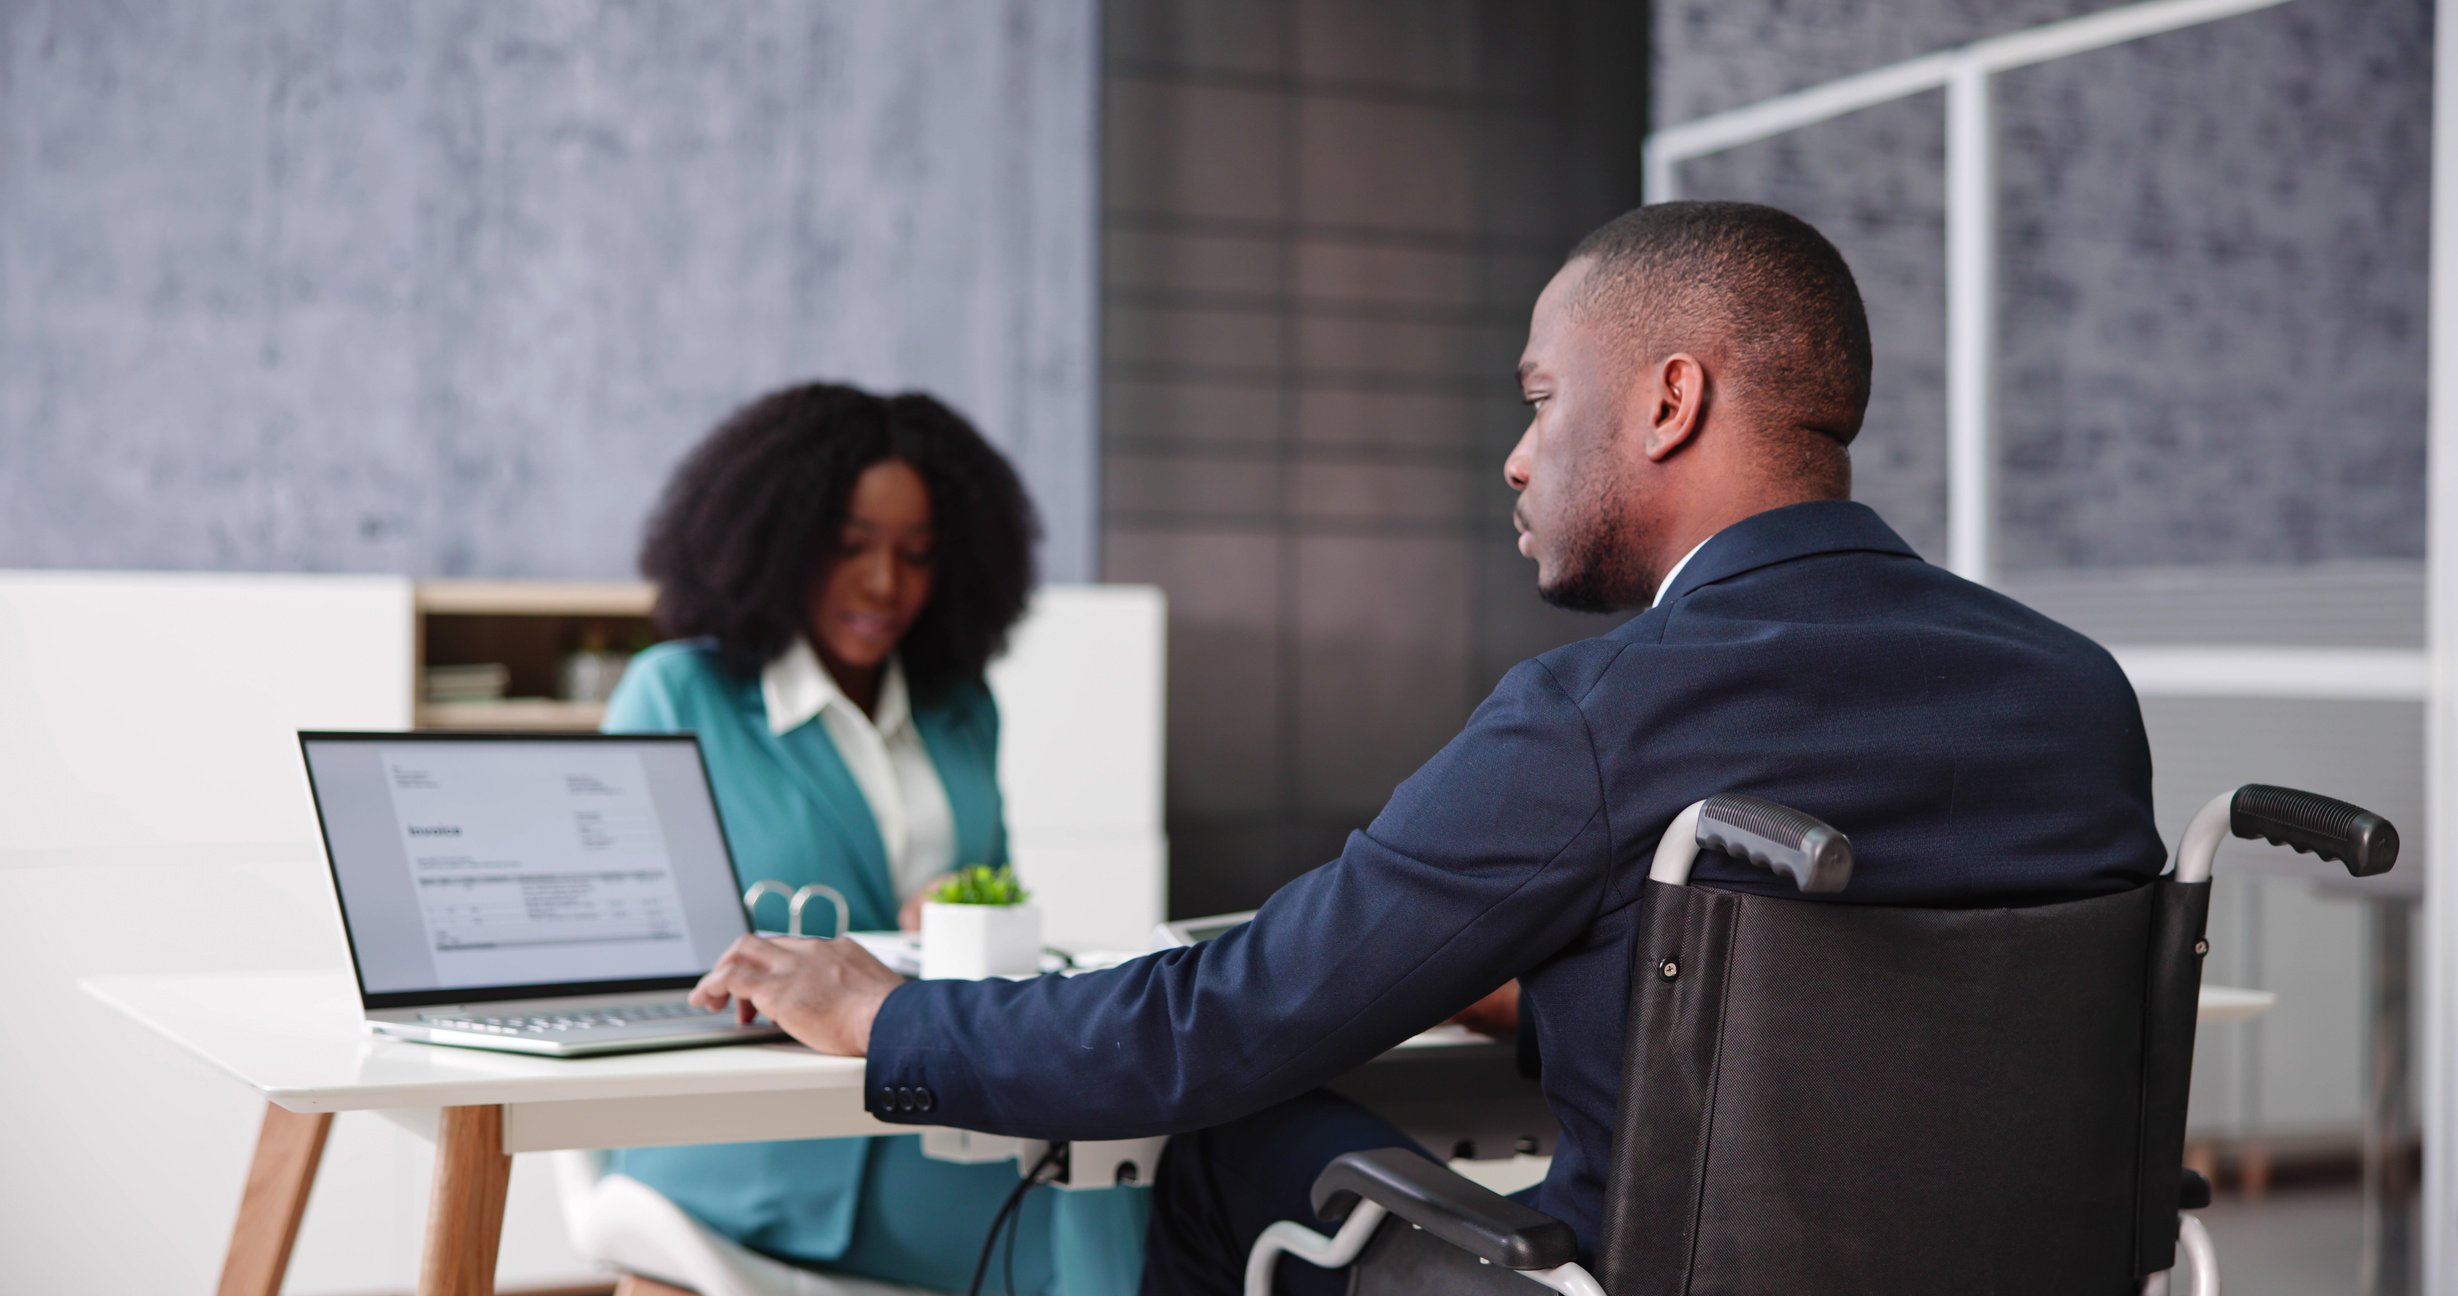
pixel 538 865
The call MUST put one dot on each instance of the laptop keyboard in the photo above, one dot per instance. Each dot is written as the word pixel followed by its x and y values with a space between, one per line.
pixel 549 1024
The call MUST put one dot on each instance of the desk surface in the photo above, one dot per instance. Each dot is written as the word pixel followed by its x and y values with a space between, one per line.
pixel 2228 1003
pixel 298 1038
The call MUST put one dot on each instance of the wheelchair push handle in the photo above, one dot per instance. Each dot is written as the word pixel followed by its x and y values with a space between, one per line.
pixel 1755 830
pixel 2307 822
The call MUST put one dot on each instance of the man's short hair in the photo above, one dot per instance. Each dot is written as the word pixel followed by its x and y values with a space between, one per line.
pixel 1749 284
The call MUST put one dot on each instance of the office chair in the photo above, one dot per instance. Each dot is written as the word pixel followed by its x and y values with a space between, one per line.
pixel 1833 1098
pixel 619 1223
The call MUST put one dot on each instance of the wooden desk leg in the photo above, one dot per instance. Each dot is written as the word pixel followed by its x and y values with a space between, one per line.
pixel 465 1215
pixel 288 1147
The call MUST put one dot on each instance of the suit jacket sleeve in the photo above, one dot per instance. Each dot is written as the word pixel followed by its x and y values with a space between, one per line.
pixel 1486 861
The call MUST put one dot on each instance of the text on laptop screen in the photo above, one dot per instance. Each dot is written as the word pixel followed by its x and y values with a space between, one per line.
pixel 477 863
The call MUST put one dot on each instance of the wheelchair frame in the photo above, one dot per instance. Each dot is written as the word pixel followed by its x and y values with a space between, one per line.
pixel 1818 860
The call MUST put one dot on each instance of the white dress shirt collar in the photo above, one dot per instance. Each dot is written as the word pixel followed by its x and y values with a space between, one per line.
pixel 797 689
pixel 884 753
pixel 1669 577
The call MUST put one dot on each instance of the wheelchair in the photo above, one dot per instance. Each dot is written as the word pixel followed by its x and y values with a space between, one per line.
pixel 1837 1098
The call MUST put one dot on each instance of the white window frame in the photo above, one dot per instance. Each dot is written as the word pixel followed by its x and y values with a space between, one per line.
pixel 2440 989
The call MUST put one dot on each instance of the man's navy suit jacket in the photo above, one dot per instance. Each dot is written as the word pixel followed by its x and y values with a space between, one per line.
pixel 1972 750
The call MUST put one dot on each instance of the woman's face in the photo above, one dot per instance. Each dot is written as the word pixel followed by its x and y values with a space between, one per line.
pixel 881 575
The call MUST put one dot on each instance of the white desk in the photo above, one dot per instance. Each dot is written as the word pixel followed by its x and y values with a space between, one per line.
pixel 2229 1003
pixel 298 1038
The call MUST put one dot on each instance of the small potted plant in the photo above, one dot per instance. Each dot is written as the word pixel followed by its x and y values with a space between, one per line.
pixel 977 924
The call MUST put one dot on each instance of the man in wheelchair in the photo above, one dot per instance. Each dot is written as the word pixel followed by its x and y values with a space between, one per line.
pixel 1695 375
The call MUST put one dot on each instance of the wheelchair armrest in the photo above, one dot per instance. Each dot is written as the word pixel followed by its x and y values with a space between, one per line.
pixel 1467 1215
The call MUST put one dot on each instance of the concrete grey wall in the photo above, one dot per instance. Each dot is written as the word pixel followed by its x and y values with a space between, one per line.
pixel 446 288
pixel 2214 297
pixel 2211 314
pixel 1324 224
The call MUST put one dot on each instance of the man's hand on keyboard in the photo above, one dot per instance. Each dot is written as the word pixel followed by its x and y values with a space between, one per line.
pixel 823 992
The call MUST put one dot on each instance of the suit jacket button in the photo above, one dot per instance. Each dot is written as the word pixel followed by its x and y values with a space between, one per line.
pixel 925 1099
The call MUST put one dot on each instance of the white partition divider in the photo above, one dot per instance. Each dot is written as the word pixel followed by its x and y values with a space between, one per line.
pixel 155 819
pixel 1079 695
pixel 158 710
pixel 1080 702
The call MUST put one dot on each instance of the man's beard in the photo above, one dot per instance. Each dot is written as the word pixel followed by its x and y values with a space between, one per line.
pixel 1603 572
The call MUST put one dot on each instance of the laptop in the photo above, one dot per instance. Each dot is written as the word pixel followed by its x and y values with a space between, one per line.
pixel 554 894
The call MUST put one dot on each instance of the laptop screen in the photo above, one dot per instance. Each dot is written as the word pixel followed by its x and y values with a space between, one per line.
pixel 493 867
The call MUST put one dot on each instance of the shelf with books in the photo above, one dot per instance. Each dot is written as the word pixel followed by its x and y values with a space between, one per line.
pixel 541 714
pixel 523 655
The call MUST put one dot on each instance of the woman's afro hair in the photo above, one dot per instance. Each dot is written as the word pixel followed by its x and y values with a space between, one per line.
pixel 753 517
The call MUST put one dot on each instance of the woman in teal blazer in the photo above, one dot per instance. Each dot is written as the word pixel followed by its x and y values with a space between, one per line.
pixel 838 569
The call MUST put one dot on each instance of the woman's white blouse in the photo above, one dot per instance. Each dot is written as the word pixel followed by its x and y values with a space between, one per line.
pixel 884 754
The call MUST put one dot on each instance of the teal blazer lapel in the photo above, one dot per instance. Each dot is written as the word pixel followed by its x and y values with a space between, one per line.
pixel 961 735
pixel 813 759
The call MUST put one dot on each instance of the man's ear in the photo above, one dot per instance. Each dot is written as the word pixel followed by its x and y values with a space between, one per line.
pixel 1675 406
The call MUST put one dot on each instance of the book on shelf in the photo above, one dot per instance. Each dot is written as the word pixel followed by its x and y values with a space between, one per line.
pixel 474 682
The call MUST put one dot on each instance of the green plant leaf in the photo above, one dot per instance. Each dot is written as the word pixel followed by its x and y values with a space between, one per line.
pixel 980 884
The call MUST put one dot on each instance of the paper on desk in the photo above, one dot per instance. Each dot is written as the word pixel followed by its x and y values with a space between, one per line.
pixel 902 952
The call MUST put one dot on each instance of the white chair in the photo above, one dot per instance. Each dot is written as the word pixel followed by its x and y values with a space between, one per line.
pixel 622 1224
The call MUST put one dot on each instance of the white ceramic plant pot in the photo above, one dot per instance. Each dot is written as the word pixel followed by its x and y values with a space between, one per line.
pixel 969 942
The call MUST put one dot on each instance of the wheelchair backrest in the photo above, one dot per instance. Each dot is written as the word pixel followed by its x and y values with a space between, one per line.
pixel 1823 1097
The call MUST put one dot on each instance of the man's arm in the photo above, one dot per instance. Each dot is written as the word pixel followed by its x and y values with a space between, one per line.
pixel 1496 1014
pixel 1485 862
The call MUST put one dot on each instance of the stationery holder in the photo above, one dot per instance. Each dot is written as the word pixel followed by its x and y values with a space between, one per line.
pixel 794 901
